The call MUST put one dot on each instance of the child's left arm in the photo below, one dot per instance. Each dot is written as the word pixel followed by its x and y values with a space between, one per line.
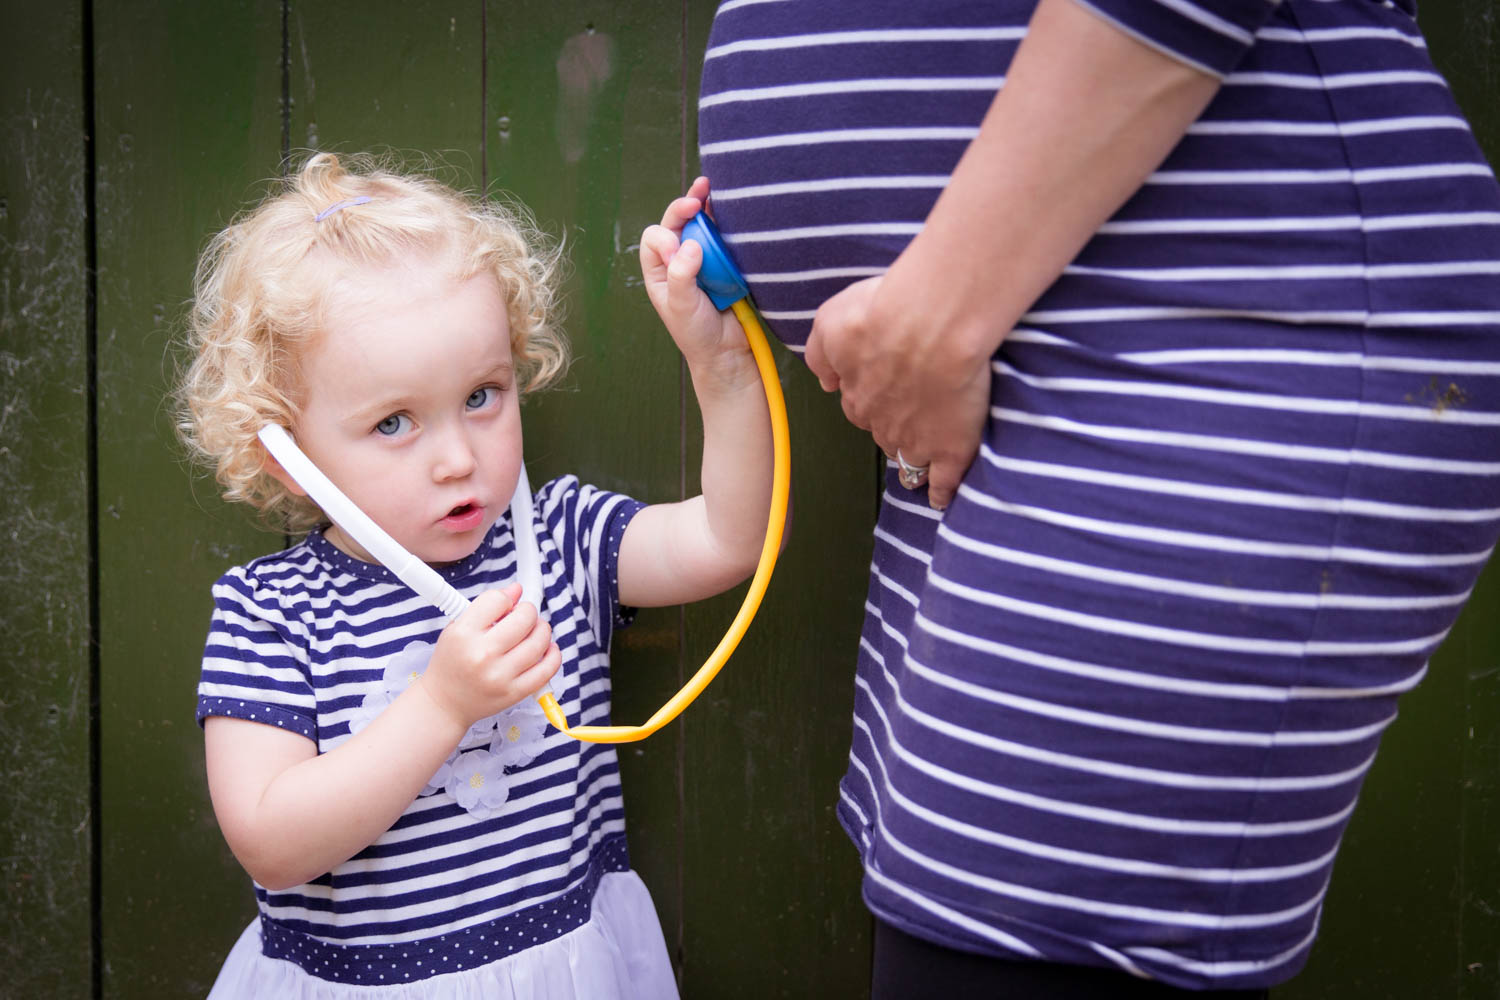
pixel 675 553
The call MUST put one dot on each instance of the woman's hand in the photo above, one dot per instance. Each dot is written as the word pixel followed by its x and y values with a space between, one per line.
pixel 495 654
pixel 904 377
pixel 1086 113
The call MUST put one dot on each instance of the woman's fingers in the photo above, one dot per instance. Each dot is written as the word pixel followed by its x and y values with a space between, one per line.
pixel 924 406
pixel 838 323
pixel 942 482
pixel 853 411
pixel 817 360
pixel 911 473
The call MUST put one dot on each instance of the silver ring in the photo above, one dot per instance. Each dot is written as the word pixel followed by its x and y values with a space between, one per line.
pixel 911 476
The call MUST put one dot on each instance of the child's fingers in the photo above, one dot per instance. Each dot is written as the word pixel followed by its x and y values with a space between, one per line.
pixel 504 634
pixel 658 246
pixel 680 211
pixel 490 607
pixel 684 265
pixel 527 654
pixel 534 643
pixel 698 192
pixel 660 242
pixel 682 289
pixel 531 649
pixel 532 678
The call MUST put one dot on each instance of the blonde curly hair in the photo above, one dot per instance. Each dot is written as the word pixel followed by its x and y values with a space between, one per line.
pixel 258 304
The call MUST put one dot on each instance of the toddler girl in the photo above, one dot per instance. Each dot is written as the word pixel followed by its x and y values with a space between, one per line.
pixel 409 820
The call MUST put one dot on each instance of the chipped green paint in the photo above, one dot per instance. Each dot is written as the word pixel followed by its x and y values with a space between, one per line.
pixel 46 848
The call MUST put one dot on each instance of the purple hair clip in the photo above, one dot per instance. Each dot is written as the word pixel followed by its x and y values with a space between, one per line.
pixel 341 204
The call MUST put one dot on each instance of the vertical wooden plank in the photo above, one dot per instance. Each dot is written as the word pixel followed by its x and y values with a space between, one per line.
pixel 1474 652
pixel 1465 44
pixel 592 108
pixel 584 124
pixel 187 102
pixel 771 882
pixel 1391 925
pixel 46 848
pixel 404 79
pixel 1414 909
pixel 1411 911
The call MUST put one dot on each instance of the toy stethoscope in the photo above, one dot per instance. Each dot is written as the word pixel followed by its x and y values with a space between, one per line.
pixel 725 286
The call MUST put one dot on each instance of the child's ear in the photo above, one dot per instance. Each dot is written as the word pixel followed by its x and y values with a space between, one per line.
pixel 278 473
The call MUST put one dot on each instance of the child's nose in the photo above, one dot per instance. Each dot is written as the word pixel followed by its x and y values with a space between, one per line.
pixel 455 457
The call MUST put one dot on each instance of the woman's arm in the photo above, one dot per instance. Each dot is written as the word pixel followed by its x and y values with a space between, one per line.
pixel 1086 114
pixel 680 552
pixel 290 814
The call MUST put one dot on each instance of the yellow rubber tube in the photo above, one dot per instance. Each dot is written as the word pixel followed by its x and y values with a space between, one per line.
pixel 780 491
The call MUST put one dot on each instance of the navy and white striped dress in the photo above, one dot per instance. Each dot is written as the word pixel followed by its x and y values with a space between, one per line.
pixel 443 900
pixel 1114 706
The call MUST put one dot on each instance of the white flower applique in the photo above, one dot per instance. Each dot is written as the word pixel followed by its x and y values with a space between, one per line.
pixel 401 670
pixel 439 781
pixel 375 702
pixel 475 777
pixel 518 733
pixel 478 782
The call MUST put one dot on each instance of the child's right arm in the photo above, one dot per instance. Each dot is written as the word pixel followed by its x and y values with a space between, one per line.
pixel 290 814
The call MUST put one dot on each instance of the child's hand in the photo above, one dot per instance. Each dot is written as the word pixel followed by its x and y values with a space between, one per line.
pixel 711 341
pixel 492 656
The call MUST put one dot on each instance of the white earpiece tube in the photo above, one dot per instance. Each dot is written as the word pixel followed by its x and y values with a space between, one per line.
pixel 410 570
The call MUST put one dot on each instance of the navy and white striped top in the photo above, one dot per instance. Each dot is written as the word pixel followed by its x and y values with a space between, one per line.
pixel 299 639
pixel 1242 468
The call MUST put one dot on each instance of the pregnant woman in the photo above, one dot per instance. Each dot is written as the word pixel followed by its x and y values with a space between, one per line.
pixel 1180 323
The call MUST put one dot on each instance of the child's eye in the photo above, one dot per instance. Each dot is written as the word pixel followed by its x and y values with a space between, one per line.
pixel 481 397
pixel 393 425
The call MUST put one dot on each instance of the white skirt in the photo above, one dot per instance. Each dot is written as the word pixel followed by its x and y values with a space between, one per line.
pixel 619 954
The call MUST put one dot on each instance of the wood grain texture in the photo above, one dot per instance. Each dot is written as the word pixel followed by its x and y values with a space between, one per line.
pixel 402 80
pixel 772 884
pixel 187 108
pixel 730 810
pixel 46 848
pixel 585 125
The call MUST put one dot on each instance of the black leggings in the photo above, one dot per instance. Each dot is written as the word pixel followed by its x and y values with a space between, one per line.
pixel 908 968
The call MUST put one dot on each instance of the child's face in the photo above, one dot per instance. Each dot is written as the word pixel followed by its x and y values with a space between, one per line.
pixel 410 407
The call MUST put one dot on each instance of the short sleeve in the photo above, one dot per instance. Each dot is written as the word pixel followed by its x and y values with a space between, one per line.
pixel 586 524
pixel 254 661
pixel 1210 35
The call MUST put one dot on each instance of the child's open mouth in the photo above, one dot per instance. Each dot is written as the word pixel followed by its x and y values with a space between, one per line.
pixel 464 516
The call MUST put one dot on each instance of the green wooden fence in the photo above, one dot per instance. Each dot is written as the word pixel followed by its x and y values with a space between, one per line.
pixel 131 131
